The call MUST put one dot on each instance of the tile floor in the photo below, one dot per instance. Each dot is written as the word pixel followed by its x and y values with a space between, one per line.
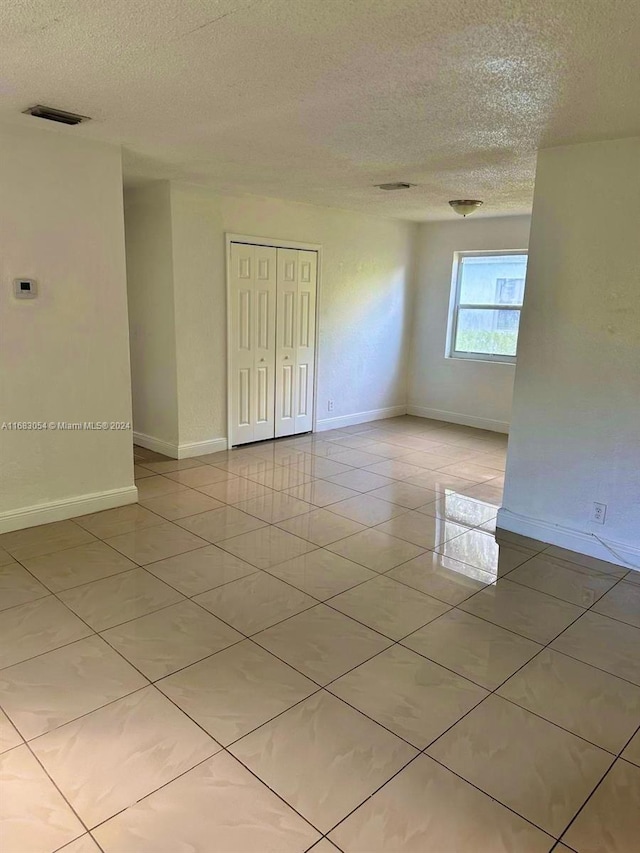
pixel 317 644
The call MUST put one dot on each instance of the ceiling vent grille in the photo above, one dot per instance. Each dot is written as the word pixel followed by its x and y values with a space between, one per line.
pixel 398 185
pixel 53 114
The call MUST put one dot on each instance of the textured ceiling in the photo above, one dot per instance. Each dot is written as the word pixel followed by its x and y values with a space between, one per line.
pixel 316 100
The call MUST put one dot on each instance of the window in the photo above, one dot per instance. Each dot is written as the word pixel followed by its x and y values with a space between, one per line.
pixel 488 291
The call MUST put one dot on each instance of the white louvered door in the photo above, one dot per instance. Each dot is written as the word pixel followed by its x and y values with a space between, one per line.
pixel 252 349
pixel 272 341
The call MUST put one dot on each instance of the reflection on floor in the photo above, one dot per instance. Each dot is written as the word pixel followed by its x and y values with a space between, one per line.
pixel 317 644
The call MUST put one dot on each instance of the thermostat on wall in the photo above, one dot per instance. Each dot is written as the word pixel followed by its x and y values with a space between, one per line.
pixel 25 288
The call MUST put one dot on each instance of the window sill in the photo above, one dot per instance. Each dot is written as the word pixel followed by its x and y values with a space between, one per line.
pixel 480 360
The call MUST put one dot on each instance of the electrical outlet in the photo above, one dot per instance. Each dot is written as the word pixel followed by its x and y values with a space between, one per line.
pixel 599 513
pixel 329 405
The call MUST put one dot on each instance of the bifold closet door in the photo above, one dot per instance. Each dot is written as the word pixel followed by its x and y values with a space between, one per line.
pixel 252 342
pixel 295 340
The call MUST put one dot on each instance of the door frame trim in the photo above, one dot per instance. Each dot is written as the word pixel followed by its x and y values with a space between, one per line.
pixel 275 243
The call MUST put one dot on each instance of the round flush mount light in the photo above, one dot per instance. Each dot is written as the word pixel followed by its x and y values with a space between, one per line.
pixel 465 206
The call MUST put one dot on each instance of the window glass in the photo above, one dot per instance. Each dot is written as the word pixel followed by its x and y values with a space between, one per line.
pixel 489 292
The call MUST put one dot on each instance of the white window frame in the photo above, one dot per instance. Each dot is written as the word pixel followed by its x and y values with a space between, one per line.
pixel 455 307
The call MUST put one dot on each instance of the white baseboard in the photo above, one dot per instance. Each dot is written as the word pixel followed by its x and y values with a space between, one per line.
pixel 159 445
pixel 360 418
pixel 199 448
pixel 458 418
pixel 179 451
pixel 627 556
pixel 30 516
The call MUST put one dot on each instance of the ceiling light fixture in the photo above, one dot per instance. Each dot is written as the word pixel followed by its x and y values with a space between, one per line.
pixel 398 185
pixel 465 206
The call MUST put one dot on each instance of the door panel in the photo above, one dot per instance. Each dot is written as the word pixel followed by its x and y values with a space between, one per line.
pixel 286 411
pixel 244 397
pixel 244 264
pixel 263 269
pixel 303 389
pixel 306 339
pixel 289 265
pixel 286 341
pixel 304 334
pixel 252 344
pixel 287 328
pixel 262 319
pixel 263 394
pixel 245 297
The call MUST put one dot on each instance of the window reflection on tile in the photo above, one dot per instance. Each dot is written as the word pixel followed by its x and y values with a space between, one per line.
pixel 480 549
pixel 469 512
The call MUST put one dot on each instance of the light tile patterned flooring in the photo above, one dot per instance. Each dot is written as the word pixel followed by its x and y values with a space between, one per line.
pixel 317 644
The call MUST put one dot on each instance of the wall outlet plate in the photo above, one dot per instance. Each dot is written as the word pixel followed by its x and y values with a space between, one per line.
pixel 599 513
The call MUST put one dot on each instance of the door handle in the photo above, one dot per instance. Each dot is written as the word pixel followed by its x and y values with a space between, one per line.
pixel 261 360
pixel 286 358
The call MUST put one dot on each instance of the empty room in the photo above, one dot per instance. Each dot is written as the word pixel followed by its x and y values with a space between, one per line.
pixel 319 426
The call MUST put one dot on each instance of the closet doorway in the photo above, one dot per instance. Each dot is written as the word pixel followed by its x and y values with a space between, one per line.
pixel 272 301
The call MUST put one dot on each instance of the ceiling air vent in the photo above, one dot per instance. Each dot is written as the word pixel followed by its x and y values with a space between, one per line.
pixel 398 185
pixel 52 114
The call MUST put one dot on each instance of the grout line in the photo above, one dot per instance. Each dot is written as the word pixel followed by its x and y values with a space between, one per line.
pixel 58 789
pixel 160 787
pixel 593 666
pixel 93 630
pixel 41 654
pixel 466 782
pixel 192 596
pixel 219 751
pixel 56 551
pixel 279 796
pixel 604 776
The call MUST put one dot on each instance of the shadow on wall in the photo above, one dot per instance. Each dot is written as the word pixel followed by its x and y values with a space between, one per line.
pixel 368 324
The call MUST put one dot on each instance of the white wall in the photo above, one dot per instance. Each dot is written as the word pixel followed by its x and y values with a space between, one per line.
pixel 458 390
pixel 575 434
pixel 364 307
pixel 201 319
pixel 64 356
pixel 150 284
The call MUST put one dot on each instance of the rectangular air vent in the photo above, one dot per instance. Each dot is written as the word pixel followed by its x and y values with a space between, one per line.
pixel 53 114
pixel 398 185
